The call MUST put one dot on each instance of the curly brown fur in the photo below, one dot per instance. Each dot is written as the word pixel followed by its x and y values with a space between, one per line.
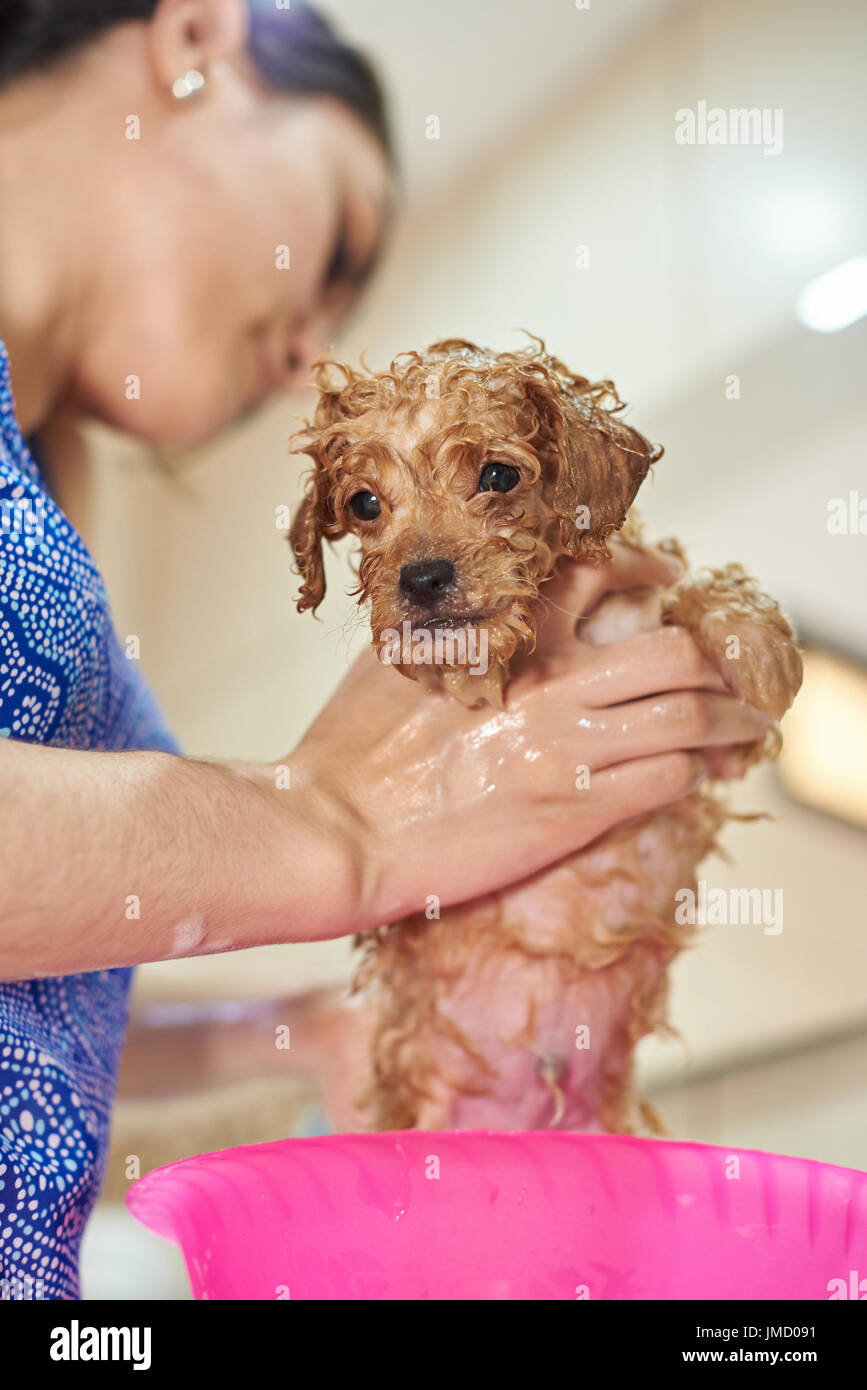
pixel 417 437
pixel 523 1009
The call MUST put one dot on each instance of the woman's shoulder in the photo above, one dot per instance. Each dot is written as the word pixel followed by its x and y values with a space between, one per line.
pixel 63 676
pixel 39 547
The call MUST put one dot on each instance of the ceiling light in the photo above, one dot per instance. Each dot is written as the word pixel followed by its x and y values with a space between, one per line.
pixel 835 299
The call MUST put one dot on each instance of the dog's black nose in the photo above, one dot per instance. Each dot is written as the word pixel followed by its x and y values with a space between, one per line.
pixel 426 581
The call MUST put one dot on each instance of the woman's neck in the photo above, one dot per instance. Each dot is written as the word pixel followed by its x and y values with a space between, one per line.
pixel 44 239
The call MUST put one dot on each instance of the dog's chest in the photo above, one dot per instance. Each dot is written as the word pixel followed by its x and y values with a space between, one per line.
pixel 560 973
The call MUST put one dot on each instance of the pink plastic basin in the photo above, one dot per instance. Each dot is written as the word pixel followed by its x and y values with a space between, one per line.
pixel 492 1215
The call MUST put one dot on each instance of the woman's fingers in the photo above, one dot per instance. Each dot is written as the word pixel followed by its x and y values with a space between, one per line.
pixel 578 586
pixel 668 659
pixel 644 784
pixel 681 719
pixel 634 567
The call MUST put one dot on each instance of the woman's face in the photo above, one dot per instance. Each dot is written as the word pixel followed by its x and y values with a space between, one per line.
pixel 234 235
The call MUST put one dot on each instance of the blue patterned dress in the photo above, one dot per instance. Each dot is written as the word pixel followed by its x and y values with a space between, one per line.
pixel 64 680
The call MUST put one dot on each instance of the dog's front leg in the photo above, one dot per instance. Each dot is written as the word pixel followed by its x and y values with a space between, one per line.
pixel 744 634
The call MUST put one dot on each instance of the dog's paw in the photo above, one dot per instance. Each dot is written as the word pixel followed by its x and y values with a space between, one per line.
pixel 756 662
pixel 744 635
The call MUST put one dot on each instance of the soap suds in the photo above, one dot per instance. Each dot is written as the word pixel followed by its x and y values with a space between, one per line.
pixel 188 935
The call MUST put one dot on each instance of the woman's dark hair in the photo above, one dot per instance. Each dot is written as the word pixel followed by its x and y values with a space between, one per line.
pixel 295 49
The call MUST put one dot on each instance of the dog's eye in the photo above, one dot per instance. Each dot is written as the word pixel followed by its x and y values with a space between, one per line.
pixel 498 477
pixel 365 506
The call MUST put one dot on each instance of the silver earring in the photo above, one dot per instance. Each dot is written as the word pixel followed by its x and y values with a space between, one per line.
pixel 188 85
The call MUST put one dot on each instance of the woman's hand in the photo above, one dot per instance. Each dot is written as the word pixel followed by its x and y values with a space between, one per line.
pixel 452 802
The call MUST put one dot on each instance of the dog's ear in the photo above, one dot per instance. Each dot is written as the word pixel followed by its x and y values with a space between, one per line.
pixel 598 475
pixel 305 536
pixel 322 440
pixel 594 463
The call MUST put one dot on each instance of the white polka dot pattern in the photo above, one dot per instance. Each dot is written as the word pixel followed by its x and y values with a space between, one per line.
pixel 64 680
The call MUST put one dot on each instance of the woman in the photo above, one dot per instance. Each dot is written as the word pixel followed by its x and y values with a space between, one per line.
pixel 153 156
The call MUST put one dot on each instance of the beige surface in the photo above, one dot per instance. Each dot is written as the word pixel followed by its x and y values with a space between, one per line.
pixel 810 1104
pixel 156 1132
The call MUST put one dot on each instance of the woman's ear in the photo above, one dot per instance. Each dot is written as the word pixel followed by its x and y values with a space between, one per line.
pixel 185 34
pixel 599 468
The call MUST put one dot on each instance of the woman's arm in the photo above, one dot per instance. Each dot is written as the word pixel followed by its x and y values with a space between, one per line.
pixel 393 796
pixel 117 858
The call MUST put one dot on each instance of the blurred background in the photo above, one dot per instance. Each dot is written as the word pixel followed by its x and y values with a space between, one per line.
pixel 557 199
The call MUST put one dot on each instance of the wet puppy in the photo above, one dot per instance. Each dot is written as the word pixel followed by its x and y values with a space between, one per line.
pixel 466 475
